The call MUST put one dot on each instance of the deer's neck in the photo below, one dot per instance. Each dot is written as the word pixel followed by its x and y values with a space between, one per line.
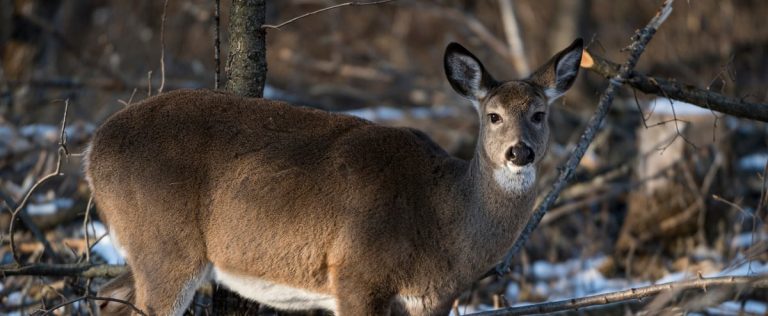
pixel 493 215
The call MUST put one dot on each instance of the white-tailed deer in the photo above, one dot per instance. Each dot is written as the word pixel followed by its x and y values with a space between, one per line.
pixel 301 209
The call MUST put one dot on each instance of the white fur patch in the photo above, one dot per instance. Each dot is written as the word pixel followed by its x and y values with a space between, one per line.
pixel 515 179
pixel 273 294
pixel 413 304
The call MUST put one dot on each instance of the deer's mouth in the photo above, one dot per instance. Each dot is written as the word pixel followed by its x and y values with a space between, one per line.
pixel 515 179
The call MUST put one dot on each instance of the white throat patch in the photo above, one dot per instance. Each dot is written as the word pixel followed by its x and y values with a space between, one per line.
pixel 515 179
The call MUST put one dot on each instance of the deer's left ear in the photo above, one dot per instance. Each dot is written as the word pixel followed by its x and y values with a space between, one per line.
pixel 559 73
pixel 466 73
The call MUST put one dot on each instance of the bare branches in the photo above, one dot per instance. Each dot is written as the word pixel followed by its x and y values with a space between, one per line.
pixel 682 92
pixel 85 270
pixel 62 152
pixel 351 3
pixel 512 30
pixel 162 49
pixel 86 220
pixel 51 310
pixel 216 45
pixel 641 39
pixel 730 283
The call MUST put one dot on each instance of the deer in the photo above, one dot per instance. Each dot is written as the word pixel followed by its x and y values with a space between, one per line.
pixel 299 208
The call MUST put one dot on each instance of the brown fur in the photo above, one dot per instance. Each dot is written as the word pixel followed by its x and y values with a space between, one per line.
pixel 324 202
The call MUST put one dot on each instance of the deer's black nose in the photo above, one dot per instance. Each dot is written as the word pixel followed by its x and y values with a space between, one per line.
pixel 520 154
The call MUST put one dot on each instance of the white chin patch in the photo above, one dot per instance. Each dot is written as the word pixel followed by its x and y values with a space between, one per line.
pixel 515 179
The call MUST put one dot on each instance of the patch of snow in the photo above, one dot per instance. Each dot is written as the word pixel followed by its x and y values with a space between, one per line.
pixel 377 114
pixel 745 240
pixel 753 162
pixel 40 132
pixel 662 106
pixel 512 292
pixel 735 308
pixel 750 267
pixel 387 113
pixel 270 92
pixel 104 248
pixel 546 271
pixel 49 208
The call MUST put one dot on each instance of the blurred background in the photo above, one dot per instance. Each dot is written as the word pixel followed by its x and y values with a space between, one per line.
pixel 667 191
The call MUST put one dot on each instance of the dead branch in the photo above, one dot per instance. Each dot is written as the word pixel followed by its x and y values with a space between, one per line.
pixel 514 40
pixel 85 270
pixel 216 45
pixel 736 284
pixel 31 224
pixel 351 3
pixel 86 220
pixel 474 25
pixel 682 92
pixel 61 153
pixel 641 39
pixel 162 49
pixel 95 298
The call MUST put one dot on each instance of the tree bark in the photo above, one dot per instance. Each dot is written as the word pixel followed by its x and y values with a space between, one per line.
pixel 247 62
pixel 246 75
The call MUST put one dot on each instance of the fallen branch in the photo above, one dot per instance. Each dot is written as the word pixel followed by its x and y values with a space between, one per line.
pixel 19 210
pixel 682 92
pixel 94 298
pixel 737 284
pixel 351 3
pixel 85 270
pixel 637 47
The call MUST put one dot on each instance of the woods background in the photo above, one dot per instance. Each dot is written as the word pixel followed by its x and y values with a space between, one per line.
pixel 668 191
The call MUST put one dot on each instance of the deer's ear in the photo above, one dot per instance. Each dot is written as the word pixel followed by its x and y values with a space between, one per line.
pixel 559 73
pixel 466 74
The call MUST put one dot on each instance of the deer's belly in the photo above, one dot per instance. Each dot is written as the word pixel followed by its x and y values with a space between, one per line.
pixel 273 294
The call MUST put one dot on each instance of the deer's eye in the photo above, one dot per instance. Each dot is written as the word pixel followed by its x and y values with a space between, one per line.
pixel 495 118
pixel 538 117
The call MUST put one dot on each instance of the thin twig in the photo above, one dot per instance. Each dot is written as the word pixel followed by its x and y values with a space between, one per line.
pixel 162 49
pixel 351 3
pixel 85 270
pixel 95 298
pixel 30 224
pixel 512 31
pixel 149 83
pixel 641 39
pixel 85 229
pixel 216 45
pixel 61 153
pixel 734 283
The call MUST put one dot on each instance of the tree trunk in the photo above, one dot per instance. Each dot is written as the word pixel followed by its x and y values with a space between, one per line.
pixel 247 62
pixel 246 75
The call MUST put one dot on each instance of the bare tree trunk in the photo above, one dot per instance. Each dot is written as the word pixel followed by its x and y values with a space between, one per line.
pixel 246 75
pixel 247 62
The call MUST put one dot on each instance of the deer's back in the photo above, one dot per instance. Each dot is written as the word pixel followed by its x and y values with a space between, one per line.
pixel 266 178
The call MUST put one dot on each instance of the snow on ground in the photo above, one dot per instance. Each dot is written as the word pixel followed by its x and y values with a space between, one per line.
pixel 665 106
pixel 105 248
pixel 386 113
pixel 50 207
pixel 754 162
pixel 735 308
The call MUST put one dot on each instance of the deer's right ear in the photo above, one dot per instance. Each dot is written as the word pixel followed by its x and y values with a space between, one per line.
pixel 466 74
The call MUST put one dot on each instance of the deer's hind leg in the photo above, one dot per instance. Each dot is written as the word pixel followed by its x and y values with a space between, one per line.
pixel 164 249
pixel 168 290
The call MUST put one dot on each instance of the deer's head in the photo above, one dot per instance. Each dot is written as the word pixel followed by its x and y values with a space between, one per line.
pixel 514 133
